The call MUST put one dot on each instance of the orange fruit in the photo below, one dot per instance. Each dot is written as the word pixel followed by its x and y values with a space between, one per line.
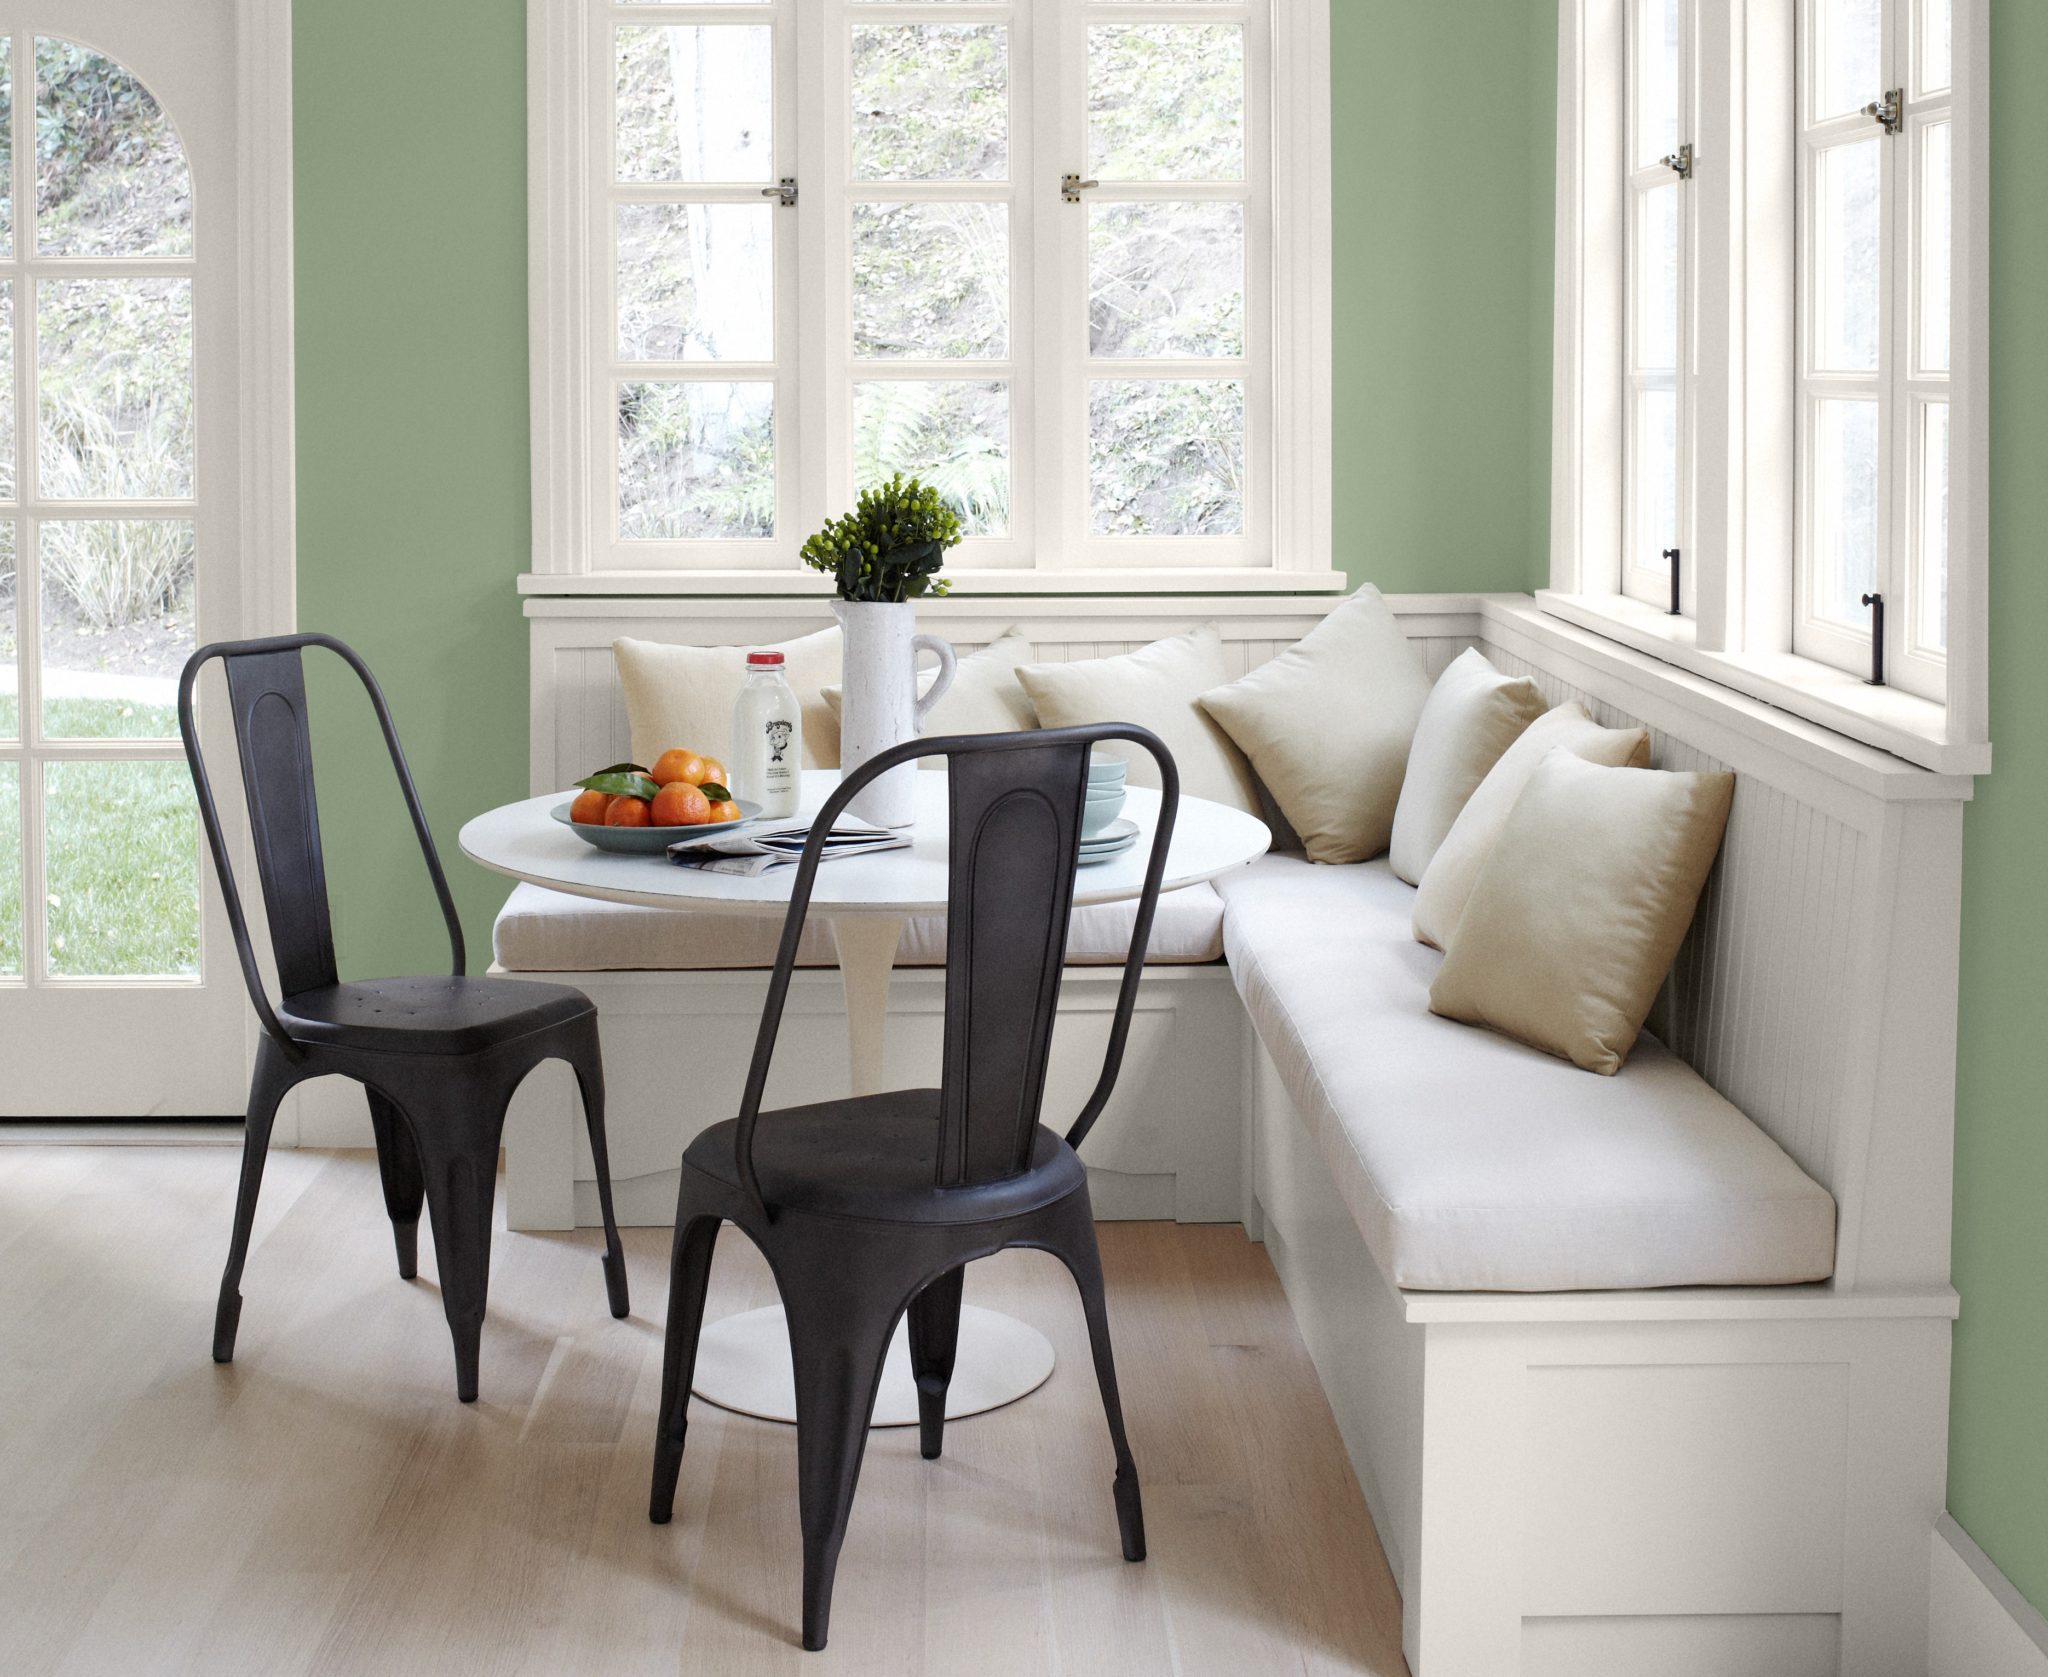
pixel 626 812
pixel 714 773
pixel 677 764
pixel 723 809
pixel 680 804
pixel 588 809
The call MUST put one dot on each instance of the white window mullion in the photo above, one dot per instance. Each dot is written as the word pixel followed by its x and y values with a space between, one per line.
pixel 819 280
pixel 1059 265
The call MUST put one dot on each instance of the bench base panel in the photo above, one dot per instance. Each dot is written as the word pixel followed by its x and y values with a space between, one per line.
pixel 1718 1496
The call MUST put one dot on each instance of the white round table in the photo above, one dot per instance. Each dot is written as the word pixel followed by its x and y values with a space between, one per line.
pixel 743 1361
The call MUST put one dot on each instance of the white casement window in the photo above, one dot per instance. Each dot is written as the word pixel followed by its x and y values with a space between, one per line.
pixel 1067 260
pixel 1658 235
pixel 1875 166
pixel 1771 355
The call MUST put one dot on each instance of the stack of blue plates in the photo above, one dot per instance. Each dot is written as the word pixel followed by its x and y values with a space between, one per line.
pixel 1113 840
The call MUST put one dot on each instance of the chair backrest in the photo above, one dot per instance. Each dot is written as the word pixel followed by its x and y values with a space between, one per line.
pixel 266 682
pixel 1014 816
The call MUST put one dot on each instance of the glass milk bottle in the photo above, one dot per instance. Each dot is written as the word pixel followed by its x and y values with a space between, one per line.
pixel 767 739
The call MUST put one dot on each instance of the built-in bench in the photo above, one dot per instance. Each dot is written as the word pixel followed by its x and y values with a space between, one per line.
pixel 1598 1432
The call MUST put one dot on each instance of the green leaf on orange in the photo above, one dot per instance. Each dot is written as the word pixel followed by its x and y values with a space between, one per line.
pixel 628 782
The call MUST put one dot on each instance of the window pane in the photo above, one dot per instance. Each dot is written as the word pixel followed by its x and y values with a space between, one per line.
pixel 1166 102
pixel 1846 283
pixel 931 101
pixel 1656 89
pixel 1657 280
pixel 121 846
pixel 1844 510
pixel 1166 457
pixel 696 461
pixel 117 621
pixel 1653 470
pixel 1848 56
pixel 10 870
pixel 111 178
pixel 953 434
pixel 6 144
pixel 1934 247
pixel 1165 279
pixel 1935 57
pixel 931 280
pixel 696 102
pixel 114 364
pixel 1931 606
pixel 10 654
pixel 696 282
pixel 7 482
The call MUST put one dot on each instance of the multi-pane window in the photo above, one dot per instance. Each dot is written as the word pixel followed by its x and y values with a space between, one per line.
pixel 1657 421
pixel 1875 123
pixel 1023 249
pixel 99 859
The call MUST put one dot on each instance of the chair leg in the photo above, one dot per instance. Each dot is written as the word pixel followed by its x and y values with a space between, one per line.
pixel 589 1068
pixel 934 1338
pixel 458 1147
pixel 398 1163
pixel 689 1275
pixel 272 1078
pixel 1075 1245
pixel 838 1336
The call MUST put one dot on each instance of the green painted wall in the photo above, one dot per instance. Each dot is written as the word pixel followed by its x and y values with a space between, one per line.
pixel 409 152
pixel 1444 124
pixel 1998 1435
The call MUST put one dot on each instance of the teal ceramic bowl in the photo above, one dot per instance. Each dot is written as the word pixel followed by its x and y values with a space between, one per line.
pixel 1102 807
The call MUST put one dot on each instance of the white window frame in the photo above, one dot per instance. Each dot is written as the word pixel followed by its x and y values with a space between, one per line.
pixel 1287 545
pixel 1746 403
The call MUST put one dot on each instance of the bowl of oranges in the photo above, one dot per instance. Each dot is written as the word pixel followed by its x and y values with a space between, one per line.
pixel 638 811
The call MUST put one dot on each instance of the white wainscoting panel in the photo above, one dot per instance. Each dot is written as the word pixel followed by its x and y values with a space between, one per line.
pixel 1979 1625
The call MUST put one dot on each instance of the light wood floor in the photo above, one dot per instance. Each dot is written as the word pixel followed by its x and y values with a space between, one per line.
pixel 325 1505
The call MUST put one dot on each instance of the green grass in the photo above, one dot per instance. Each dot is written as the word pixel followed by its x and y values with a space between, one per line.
pixel 92 719
pixel 122 861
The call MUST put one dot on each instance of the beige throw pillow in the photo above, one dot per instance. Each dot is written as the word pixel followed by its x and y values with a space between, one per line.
pixel 1440 898
pixel 1474 714
pixel 1327 723
pixel 1579 911
pixel 1158 687
pixel 985 698
pixel 683 695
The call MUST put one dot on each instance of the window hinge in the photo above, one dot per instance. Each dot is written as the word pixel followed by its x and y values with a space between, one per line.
pixel 1889 113
pixel 1072 186
pixel 1679 162
pixel 783 192
pixel 1671 553
pixel 1876 604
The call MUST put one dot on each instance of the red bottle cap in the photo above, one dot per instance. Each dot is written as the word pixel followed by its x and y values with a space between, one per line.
pixel 764 660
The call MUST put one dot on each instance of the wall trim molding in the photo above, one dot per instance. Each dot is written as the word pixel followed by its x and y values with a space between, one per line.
pixel 1979 1625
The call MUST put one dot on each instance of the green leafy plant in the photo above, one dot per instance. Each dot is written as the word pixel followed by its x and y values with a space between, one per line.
pixel 890 547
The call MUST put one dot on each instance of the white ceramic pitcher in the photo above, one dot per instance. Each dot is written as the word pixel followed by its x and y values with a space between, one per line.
pixel 879 706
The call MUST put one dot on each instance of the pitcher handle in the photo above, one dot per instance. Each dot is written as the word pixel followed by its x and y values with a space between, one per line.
pixel 948 664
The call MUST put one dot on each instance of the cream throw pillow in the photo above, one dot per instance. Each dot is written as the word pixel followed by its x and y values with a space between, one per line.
pixel 1440 898
pixel 1577 914
pixel 683 695
pixel 1327 723
pixel 985 698
pixel 1158 687
pixel 1474 714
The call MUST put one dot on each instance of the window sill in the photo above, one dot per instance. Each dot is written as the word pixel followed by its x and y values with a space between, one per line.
pixel 781 584
pixel 1911 728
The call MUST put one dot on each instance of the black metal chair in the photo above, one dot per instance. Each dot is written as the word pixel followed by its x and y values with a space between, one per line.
pixel 439 1057
pixel 870 1206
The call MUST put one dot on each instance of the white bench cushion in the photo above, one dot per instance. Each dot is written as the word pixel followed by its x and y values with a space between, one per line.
pixel 1471 1162
pixel 550 931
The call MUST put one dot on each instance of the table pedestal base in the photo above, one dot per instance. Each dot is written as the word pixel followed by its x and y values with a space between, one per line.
pixel 743 1365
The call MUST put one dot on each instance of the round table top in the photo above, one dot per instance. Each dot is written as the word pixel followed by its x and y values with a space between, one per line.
pixel 524 841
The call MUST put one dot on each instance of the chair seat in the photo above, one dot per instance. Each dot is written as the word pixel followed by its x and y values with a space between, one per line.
pixel 875 1157
pixel 429 1015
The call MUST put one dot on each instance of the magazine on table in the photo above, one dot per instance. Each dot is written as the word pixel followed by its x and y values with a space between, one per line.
pixel 763 845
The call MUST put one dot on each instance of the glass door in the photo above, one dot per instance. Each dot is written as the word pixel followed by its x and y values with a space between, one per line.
pixel 119 995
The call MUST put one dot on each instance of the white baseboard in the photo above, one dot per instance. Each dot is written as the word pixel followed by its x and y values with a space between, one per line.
pixel 1979 1625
